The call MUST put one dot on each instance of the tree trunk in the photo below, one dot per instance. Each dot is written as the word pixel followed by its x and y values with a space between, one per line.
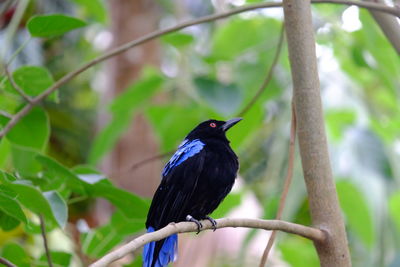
pixel 129 20
pixel 324 206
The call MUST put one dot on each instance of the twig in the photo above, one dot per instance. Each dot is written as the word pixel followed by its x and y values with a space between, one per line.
pixel 288 181
pixel 16 86
pixel 7 262
pixel 5 114
pixel 150 159
pixel 46 246
pixel 24 111
pixel 269 75
pixel 185 227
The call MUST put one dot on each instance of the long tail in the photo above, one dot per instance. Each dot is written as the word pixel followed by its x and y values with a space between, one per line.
pixel 160 253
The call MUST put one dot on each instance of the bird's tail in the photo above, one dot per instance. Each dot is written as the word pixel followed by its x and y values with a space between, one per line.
pixel 160 253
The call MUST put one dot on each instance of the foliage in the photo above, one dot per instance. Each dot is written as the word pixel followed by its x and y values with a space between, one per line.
pixel 48 159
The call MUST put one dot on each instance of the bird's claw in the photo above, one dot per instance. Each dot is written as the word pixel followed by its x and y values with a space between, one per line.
pixel 190 218
pixel 213 222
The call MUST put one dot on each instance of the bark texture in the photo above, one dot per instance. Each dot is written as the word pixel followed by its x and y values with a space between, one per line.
pixel 324 206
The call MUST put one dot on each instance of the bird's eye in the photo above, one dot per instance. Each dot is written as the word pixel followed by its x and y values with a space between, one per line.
pixel 213 125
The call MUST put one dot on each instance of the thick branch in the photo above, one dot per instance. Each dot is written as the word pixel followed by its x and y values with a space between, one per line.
pixel 322 196
pixel 156 34
pixel 389 25
pixel 185 227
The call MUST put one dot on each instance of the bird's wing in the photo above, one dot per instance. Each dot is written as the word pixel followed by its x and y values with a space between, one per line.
pixel 187 149
pixel 179 180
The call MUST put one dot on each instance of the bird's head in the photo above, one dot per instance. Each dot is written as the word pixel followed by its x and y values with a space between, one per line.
pixel 212 129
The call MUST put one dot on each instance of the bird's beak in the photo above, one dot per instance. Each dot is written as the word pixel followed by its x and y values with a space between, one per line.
pixel 228 124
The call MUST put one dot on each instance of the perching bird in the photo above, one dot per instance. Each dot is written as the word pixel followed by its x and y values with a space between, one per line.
pixel 194 182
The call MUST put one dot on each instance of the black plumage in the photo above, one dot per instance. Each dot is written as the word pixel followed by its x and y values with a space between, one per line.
pixel 195 181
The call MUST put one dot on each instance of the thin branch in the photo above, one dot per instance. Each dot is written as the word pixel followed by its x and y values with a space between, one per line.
pixel 24 111
pixel 269 75
pixel 150 159
pixel 45 243
pixel 5 114
pixel 7 262
pixel 16 86
pixel 286 186
pixel 311 233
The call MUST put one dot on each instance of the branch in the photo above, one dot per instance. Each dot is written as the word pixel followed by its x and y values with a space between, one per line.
pixel 156 34
pixel 286 186
pixel 269 75
pixel 7 262
pixel 185 227
pixel 46 246
pixel 5 114
pixel 16 86
pixel 389 25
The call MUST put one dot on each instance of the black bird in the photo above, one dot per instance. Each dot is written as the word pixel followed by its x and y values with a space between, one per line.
pixel 194 182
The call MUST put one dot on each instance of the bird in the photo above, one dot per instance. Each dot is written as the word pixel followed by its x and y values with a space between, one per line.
pixel 194 182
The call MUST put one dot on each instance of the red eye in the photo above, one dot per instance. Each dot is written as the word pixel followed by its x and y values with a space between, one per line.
pixel 213 125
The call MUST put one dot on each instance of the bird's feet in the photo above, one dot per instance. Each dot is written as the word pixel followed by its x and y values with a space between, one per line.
pixel 190 218
pixel 213 222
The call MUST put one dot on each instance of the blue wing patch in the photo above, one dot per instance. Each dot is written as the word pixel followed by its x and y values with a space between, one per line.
pixel 186 150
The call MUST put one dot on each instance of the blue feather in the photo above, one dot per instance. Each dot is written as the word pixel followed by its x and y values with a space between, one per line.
pixel 168 252
pixel 186 150
pixel 148 251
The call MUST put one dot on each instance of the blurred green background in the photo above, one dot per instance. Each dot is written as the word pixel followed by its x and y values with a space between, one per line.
pixel 77 158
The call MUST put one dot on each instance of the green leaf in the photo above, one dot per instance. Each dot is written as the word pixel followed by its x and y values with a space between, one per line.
pixel 122 108
pixel 33 199
pixel 53 25
pixel 130 205
pixel 7 222
pixel 5 152
pixel 58 171
pixel 11 207
pixel 394 209
pixel 356 210
pixel 24 162
pixel 337 122
pixel 255 31
pixel 33 80
pixel 16 254
pixel 178 39
pixel 32 130
pixel 223 98
pixel 59 259
pixel 299 252
pixel 58 207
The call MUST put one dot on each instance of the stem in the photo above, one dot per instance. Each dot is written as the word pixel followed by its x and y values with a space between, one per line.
pixel 286 186
pixel 185 227
pixel 269 75
pixel 322 195
pixel 45 243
